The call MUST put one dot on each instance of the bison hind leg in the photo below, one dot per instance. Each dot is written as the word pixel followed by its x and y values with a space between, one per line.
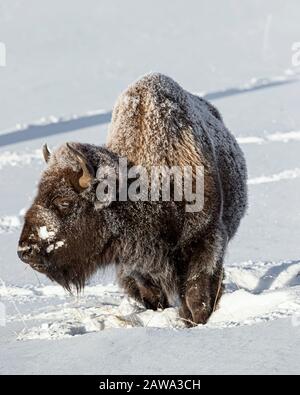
pixel 144 290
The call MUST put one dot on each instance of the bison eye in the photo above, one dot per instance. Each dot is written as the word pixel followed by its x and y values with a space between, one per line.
pixel 62 204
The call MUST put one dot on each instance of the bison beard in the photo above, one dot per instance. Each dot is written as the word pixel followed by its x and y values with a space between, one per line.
pixel 78 271
pixel 160 250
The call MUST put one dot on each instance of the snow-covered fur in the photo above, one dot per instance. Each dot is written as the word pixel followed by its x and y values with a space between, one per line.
pixel 160 249
pixel 156 122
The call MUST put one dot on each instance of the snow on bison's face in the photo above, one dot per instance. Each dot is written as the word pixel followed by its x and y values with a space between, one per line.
pixel 64 236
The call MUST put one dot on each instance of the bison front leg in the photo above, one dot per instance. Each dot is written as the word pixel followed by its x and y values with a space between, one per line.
pixel 144 291
pixel 201 297
pixel 203 287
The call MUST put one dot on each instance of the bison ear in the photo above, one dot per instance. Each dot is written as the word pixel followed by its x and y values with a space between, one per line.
pixel 88 172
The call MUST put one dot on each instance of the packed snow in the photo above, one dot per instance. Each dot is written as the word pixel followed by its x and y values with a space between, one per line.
pixel 78 62
pixel 9 223
pixel 255 292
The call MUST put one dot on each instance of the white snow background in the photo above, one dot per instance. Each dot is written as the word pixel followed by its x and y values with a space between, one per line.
pixel 66 63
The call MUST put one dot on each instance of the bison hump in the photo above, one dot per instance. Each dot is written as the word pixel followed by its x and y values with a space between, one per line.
pixel 156 122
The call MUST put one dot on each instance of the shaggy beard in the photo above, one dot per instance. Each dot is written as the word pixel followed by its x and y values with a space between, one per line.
pixel 71 278
pixel 74 275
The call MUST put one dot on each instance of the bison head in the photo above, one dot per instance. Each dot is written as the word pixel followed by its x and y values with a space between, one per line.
pixel 66 234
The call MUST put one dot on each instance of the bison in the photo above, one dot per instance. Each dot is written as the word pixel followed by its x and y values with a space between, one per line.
pixel 161 250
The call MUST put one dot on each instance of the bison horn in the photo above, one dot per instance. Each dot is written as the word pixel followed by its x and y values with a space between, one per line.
pixel 46 153
pixel 88 172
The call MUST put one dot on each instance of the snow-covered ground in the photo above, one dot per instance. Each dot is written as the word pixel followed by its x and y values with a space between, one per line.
pixel 66 63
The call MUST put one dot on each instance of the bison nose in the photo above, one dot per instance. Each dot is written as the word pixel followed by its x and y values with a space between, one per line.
pixel 24 253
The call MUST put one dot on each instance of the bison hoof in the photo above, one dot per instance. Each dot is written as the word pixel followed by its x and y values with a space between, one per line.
pixel 194 311
pixel 155 303
pixel 194 317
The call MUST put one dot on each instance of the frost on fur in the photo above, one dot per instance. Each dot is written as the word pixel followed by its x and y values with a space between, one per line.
pixel 160 249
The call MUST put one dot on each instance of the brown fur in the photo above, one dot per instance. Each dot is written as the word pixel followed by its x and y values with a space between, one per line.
pixel 160 250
